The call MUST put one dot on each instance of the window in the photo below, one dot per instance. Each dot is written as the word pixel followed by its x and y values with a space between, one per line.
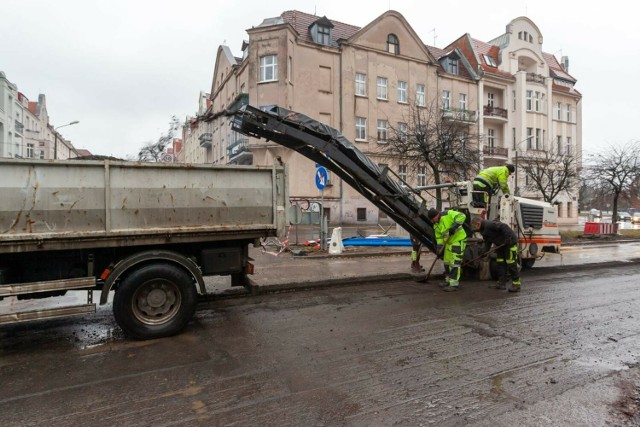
pixel 446 100
pixel 289 69
pixel 393 45
pixel 559 111
pixel 529 138
pixel 558 144
pixel 513 138
pixel 402 92
pixel 402 172
pixel 462 102
pixel 383 127
pixel 514 100
pixel 420 96
pixel 324 35
pixel 569 148
pixel 361 84
pixel 29 153
pixel 41 154
pixel 491 138
pixel 402 132
pixel 489 60
pixel 422 176
pixel 361 129
pixel 529 100
pixel 268 68
pixel 568 112
pixel 382 88
pixel 361 214
pixel 536 99
pixel 452 65
pixel 490 99
pixel 538 145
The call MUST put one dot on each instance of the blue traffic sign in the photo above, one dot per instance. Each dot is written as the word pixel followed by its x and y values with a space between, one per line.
pixel 322 176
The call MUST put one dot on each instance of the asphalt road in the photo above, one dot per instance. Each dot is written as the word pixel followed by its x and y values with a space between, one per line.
pixel 564 352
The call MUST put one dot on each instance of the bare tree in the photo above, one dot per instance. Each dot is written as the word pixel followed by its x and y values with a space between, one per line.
pixel 154 151
pixel 615 171
pixel 550 172
pixel 443 143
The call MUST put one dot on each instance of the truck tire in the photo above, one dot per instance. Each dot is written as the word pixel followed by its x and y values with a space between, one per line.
pixel 154 301
pixel 528 263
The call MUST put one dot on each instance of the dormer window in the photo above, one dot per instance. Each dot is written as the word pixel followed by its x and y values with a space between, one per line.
pixel 452 66
pixel 393 44
pixel 321 31
pixel 524 35
pixel 489 61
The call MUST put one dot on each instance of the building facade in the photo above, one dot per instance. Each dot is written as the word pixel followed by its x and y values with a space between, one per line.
pixel 365 81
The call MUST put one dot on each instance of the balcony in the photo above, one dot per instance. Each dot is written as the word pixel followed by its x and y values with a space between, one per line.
pixel 495 113
pixel 489 151
pixel 458 114
pixel 239 152
pixel 19 127
pixel 205 140
pixel 535 78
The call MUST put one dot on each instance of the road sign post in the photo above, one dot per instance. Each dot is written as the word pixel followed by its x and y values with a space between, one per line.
pixel 322 176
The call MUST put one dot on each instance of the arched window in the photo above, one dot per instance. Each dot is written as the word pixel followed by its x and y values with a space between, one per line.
pixel 393 45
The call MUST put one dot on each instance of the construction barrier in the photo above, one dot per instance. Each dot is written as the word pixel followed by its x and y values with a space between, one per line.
pixel 600 228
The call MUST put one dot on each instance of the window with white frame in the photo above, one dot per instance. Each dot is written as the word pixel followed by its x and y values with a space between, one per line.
pixel 559 111
pixel 537 101
pixel 268 68
pixel 568 112
pixel 558 144
pixel 402 172
pixel 402 92
pixel 422 176
pixel 529 138
pixel 361 129
pixel 420 95
pixel 403 132
pixel 538 145
pixel 383 130
pixel 446 100
pixel 29 153
pixel 529 100
pixel 569 148
pixel 361 84
pixel 490 99
pixel 491 138
pixel 381 88
pixel 462 101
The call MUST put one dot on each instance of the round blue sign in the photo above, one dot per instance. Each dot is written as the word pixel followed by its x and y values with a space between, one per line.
pixel 322 177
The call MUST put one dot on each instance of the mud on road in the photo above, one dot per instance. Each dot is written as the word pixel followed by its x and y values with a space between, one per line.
pixel 563 352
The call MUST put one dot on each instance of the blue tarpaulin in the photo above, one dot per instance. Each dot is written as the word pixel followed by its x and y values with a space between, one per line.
pixel 376 241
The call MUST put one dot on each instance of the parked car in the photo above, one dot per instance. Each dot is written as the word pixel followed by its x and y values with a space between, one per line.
pixel 595 213
pixel 624 216
pixel 635 218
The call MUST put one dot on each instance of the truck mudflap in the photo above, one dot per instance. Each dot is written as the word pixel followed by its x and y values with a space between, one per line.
pixel 327 147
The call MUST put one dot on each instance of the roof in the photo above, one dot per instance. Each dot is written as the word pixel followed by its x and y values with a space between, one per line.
pixel 491 51
pixel 301 22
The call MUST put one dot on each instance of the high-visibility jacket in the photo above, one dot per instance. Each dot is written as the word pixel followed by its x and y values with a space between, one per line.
pixel 444 224
pixel 497 177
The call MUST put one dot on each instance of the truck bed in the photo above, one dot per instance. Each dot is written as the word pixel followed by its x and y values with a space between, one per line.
pixel 82 204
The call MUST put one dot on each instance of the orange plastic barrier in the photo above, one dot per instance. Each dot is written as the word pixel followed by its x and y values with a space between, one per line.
pixel 591 228
pixel 600 228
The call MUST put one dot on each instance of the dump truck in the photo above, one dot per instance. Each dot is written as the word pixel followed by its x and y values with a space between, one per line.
pixel 145 233
pixel 533 221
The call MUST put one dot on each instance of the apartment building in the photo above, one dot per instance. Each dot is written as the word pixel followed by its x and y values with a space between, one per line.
pixel 365 81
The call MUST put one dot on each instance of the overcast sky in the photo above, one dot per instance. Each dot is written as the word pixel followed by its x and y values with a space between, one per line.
pixel 122 68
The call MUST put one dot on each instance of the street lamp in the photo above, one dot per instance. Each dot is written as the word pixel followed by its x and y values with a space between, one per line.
pixel 55 137
pixel 517 192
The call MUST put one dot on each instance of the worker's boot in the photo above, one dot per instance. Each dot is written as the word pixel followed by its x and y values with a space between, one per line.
pixel 416 268
pixel 450 288
pixel 514 288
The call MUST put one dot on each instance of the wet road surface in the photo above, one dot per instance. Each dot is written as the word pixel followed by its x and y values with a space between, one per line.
pixel 563 352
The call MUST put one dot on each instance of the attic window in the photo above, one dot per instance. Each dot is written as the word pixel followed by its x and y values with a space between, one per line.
pixel 324 35
pixel 489 60
pixel 452 65
pixel 393 44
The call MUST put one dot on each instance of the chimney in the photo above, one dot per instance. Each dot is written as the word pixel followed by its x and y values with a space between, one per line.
pixel 564 62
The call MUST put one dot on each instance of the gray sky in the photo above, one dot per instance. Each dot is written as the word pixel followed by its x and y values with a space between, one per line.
pixel 124 67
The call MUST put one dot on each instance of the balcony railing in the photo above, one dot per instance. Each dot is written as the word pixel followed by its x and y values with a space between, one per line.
pixel 205 140
pixel 240 146
pixel 490 111
pixel 535 78
pixel 459 114
pixel 495 151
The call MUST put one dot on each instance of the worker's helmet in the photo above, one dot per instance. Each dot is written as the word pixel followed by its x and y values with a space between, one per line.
pixel 433 214
pixel 510 168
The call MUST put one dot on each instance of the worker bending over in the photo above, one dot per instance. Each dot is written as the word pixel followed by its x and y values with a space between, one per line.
pixel 492 179
pixel 506 241
pixel 451 240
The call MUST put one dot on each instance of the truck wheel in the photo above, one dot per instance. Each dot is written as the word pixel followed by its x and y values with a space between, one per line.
pixel 156 300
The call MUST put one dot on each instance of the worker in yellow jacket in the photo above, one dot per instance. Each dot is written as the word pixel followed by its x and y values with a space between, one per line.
pixel 451 241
